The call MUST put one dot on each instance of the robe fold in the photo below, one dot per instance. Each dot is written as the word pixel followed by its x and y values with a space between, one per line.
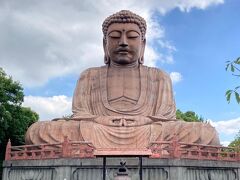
pixel 154 115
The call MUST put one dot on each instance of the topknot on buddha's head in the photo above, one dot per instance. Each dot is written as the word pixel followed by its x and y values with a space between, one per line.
pixel 125 16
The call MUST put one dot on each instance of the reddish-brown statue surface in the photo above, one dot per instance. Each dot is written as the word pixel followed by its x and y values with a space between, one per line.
pixel 123 104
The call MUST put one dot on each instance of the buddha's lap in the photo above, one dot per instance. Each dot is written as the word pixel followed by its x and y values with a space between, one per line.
pixel 54 131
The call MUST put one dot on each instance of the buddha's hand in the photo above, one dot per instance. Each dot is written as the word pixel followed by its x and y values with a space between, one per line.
pixel 82 117
pixel 123 120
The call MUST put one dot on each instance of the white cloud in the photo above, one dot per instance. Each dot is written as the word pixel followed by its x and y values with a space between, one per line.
pixel 228 127
pixel 150 56
pixel 44 39
pixel 225 143
pixel 176 77
pixel 187 5
pixel 49 107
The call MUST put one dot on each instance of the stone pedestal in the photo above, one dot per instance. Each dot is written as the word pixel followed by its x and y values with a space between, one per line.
pixel 92 169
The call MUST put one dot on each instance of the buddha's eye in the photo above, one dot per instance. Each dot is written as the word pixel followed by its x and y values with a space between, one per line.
pixel 114 34
pixel 133 34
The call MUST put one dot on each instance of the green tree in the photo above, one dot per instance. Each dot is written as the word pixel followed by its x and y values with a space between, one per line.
pixel 233 67
pixel 14 119
pixel 189 116
pixel 236 141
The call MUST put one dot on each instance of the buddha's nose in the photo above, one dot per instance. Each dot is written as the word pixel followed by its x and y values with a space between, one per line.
pixel 123 41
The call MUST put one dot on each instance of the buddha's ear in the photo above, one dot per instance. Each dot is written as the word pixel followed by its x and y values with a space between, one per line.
pixel 106 56
pixel 141 59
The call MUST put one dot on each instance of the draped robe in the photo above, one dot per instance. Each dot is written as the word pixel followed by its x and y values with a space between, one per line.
pixel 151 118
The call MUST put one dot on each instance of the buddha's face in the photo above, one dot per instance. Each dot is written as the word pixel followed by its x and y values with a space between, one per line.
pixel 124 44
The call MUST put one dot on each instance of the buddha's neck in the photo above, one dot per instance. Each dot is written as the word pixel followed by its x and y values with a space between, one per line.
pixel 130 65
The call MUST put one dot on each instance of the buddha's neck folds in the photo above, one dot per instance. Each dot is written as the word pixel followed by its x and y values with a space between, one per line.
pixel 131 65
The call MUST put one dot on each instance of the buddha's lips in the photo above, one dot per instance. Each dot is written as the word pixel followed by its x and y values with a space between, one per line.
pixel 122 51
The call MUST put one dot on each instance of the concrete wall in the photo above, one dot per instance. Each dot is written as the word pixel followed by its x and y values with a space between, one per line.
pixel 91 169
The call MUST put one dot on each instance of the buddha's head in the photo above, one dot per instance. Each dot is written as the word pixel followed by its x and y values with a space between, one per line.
pixel 124 38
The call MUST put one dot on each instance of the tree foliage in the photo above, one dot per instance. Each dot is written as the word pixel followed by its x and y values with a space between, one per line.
pixel 188 116
pixel 14 119
pixel 234 68
pixel 236 141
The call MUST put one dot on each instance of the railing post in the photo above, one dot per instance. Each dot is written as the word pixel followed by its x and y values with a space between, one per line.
pixel 176 147
pixel 221 154
pixel 65 147
pixel 238 154
pixel 199 152
pixel 8 151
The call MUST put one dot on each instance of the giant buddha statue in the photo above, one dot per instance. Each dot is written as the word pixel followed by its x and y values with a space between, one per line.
pixel 123 104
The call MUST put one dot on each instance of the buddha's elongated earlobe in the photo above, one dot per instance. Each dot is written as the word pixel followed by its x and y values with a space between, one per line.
pixel 141 59
pixel 106 57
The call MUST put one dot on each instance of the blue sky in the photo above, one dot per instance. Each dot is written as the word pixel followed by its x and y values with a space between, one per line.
pixel 46 50
pixel 204 41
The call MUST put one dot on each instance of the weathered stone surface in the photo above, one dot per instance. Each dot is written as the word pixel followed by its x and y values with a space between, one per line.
pixel 91 169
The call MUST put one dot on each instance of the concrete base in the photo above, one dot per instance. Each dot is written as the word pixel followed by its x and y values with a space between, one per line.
pixel 91 169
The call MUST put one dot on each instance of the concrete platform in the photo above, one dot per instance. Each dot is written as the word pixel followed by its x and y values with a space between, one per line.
pixel 91 169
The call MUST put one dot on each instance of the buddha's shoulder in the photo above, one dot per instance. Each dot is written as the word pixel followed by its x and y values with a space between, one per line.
pixel 91 72
pixel 157 73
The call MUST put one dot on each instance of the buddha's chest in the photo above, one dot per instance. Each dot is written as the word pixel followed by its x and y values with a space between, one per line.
pixel 123 87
